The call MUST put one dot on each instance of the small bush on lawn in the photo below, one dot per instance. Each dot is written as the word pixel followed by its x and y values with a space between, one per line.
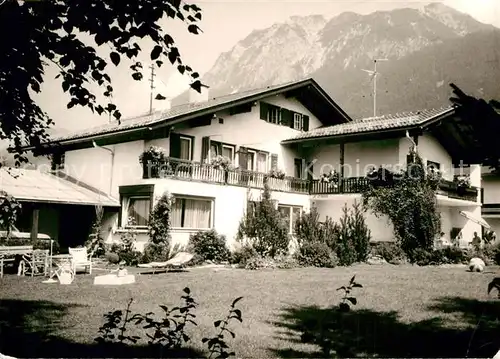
pixel 210 246
pixel 158 247
pixel 316 254
pixel 390 251
pixel 278 262
pixel 242 255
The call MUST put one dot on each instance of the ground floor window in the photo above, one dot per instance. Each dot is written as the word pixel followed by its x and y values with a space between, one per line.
pixel 136 205
pixel 290 214
pixel 192 212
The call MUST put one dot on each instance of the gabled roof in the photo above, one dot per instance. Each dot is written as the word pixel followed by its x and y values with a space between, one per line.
pixel 191 110
pixel 384 123
pixel 31 185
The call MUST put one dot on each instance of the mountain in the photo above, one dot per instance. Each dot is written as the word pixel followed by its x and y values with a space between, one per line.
pixel 425 48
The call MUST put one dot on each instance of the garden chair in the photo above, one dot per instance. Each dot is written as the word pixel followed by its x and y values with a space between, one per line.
pixel 38 264
pixel 178 261
pixel 80 258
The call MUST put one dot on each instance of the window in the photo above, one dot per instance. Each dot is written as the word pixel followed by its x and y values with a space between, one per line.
pixel 193 213
pixel 262 162
pixel 297 165
pixel 433 165
pixel 251 160
pixel 136 211
pixel 228 151
pixel 290 214
pixel 297 121
pixel 221 149
pixel 274 115
pixel 185 148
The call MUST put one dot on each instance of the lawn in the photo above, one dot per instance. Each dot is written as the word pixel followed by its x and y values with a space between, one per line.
pixel 402 311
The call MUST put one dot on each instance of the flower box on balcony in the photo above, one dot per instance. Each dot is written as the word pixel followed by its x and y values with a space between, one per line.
pixel 151 160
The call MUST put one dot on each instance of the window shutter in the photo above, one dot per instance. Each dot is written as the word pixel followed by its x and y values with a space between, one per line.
pixel 286 117
pixel 205 147
pixel 175 145
pixel 263 111
pixel 274 162
pixel 303 169
pixel 242 158
pixel 305 125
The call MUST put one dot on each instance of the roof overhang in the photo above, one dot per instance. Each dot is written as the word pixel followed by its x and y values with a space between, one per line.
pixel 307 91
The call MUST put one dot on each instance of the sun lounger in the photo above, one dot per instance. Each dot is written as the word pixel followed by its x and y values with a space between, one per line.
pixel 178 260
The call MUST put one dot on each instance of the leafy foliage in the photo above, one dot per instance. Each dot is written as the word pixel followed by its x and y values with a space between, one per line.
pixel 51 34
pixel 158 246
pixel 410 204
pixel 390 251
pixel 9 210
pixel 171 331
pixel 264 227
pixel 359 232
pixel 95 243
pixel 209 245
pixel 316 254
pixel 348 299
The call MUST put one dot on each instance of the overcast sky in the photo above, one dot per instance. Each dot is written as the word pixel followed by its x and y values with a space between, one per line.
pixel 224 23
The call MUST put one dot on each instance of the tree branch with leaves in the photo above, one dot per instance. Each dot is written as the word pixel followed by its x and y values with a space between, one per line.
pixel 48 32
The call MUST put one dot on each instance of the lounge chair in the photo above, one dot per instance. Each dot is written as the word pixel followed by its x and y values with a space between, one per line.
pixel 176 261
pixel 81 259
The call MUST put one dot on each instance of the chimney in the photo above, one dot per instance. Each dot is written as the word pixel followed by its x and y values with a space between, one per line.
pixel 195 96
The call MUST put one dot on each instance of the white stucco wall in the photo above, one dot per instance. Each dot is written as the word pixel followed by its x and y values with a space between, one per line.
pixel 429 149
pixel 491 187
pixel 359 157
pixel 93 166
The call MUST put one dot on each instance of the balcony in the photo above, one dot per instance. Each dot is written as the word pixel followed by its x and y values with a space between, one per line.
pixel 357 184
pixel 200 172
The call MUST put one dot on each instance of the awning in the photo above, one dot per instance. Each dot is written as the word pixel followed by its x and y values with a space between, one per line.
pixel 478 220
pixel 30 185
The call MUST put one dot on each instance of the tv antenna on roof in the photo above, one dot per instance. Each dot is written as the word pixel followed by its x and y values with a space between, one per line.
pixel 373 73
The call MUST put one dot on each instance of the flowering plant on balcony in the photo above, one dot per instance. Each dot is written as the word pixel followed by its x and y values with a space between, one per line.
pixel 221 162
pixel 278 174
pixel 462 181
pixel 331 177
pixel 154 154
pixel 434 176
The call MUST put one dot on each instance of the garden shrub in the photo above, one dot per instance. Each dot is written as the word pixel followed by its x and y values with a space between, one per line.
pixel 316 254
pixel 308 228
pixel 264 228
pixel 390 251
pixel 259 262
pixel 410 204
pixel 346 249
pixel 359 232
pixel 241 255
pixel 95 243
pixel 112 257
pixel 158 247
pixel 210 245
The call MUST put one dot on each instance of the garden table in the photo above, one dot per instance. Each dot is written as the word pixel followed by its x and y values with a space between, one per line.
pixel 8 253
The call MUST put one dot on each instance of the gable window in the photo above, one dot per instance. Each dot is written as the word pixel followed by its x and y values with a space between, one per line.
pixel 433 166
pixel 290 214
pixel 297 121
pixel 136 204
pixel 274 114
pixel 284 117
pixel 192 212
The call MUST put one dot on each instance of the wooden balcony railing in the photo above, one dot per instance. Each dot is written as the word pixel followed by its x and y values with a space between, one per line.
pixel 357 184
pixel 196 171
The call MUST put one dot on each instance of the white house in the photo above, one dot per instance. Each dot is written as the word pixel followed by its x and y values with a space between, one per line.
pixel 294 127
